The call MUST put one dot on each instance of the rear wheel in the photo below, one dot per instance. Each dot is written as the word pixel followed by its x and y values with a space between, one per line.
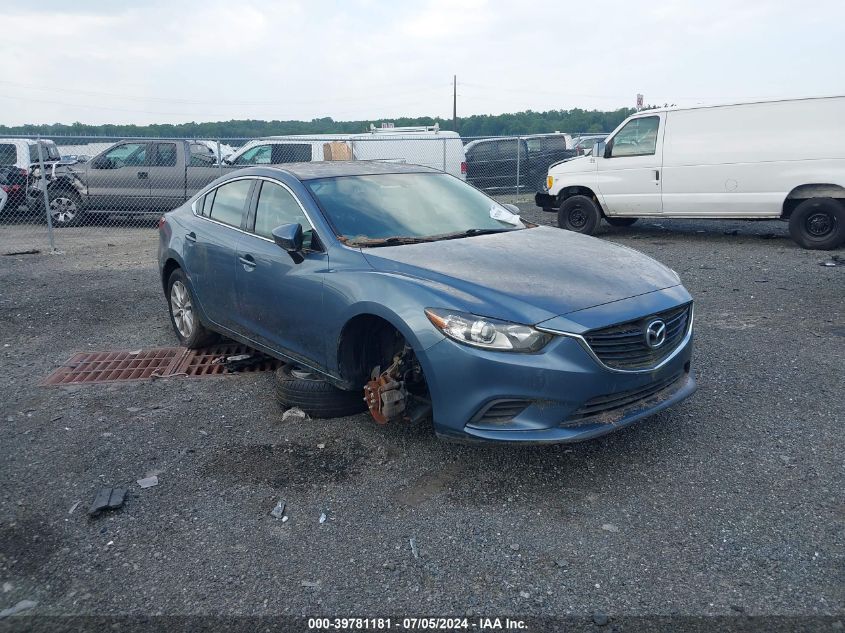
pixel 621 221
pixel 818 223
pixel 183 315
pixel 580 214
pixel 301 388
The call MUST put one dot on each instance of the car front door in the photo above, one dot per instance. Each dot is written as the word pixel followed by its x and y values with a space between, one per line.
pixel 211 250
pixel 628 175
pixel 280 293
pixel 118 179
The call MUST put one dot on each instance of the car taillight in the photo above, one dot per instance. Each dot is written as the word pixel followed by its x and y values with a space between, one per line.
pixel 463 167
pixel 161 222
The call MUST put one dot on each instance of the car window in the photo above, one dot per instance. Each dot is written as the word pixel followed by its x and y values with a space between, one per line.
pixel 128 155
pixel 277 206
pixel 483 151
pixel 48 152
pixel 229 202
pixel 203 204
pixel 8 154
pixel 202 155
pixel 291 153
pixel 534 144
pixel 258 155
pixel 637 138
pixel 165 155
pixel 508 148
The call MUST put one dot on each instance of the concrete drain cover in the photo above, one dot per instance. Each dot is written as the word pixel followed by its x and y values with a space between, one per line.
pixel 160 362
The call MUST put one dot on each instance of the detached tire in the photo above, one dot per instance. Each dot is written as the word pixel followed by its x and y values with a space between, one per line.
pixel 818 223
pixel 621 221
pixel 300 388
pixel 579 214
pixel 65 207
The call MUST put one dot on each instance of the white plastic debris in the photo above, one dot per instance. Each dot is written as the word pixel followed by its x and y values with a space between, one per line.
pixel 74 507
pixel 285 519
pixel 414 550
pixel 609 527
pixel 294 414
pixel 148 482
pixel 323 517
pixel 503 215
pixel 23 605
pixel 279 510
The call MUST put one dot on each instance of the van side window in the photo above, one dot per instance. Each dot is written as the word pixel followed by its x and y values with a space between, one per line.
pixel 291 153
pixel 637 138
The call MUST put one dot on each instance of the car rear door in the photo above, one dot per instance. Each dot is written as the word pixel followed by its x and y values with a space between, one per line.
pixel 279 294
pixel 628 179
pixel 211 248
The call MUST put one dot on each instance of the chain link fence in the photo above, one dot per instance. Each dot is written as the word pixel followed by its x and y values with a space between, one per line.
pixel 62 192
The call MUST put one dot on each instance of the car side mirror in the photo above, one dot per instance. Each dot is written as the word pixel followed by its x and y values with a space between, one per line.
pixel 288 237
pixel 605 149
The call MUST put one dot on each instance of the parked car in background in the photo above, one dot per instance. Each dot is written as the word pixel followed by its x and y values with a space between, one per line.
pixel 18 159
pixel 504 164
pixel 13 185
pixel 75 158
pixel 130 177
pixel 583 145
pixel 780 159
pixel 428 146
pixel 419 314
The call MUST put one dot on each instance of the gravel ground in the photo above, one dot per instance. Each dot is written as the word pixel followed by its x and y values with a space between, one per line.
pixel 729 504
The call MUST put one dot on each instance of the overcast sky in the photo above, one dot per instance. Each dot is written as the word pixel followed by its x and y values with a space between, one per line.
pixel 175 61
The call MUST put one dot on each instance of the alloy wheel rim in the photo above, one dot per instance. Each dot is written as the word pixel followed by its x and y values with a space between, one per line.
pixel 182 309
pixel 62 210
pixel 819 224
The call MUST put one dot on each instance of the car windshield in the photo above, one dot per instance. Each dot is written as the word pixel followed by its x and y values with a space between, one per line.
pixel 403 208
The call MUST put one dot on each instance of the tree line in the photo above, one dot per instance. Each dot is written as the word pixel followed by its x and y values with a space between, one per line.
pixel 527 122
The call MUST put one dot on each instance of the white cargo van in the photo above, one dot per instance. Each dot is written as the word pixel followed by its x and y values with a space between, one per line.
pixel 429 146
pixel 774 159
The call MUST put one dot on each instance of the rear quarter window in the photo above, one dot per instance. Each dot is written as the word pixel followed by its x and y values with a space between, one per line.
pixel 8 154
pixel 230 202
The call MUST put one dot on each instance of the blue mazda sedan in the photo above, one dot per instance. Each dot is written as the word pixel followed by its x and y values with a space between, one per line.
pixel 403 289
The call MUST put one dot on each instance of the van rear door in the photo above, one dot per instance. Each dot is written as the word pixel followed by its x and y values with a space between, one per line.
pixel 629 174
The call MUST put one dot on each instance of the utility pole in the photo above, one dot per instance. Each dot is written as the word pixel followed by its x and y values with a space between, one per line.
pixel 455 102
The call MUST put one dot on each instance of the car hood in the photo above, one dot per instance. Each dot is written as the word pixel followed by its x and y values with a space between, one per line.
pixel 577 164
pixel 529 274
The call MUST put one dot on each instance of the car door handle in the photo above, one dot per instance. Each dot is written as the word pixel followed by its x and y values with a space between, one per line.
pixel 191 237
pixel 142 175
pixel 657 174
pixel 248 261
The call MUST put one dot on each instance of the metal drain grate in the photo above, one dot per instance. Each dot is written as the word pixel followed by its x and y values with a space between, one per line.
pixel 161 362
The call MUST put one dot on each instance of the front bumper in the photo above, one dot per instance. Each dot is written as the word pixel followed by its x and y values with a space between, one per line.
pixel 543 397
pixel 546 201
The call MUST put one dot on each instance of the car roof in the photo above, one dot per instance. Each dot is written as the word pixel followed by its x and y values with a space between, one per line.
pixel 334 168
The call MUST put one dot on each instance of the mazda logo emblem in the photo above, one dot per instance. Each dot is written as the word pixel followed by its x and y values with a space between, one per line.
pixel 655 334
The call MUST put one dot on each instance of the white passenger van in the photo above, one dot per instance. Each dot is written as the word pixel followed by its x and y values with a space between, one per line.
pixel 429 146
pixel 765 160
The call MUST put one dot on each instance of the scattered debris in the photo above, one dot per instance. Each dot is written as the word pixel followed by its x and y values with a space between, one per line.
pixel 515 547
pixel 56 418
pixel 314 584
pixel 135 352
pixel 562 562
pixel 285 519
pixel 107 499
pixel 23 605
pixel 30 252
pixel 279 510
pixel 323 517
pixel 240 362
pixel 600 618
pixel 294 414
pixel 321 446
pixel 835 260
pixel 74 507
pixel 7 587
pixel 133 409
pixel 609 527
pixel 414 550
pixel 148 482
pixel 524 594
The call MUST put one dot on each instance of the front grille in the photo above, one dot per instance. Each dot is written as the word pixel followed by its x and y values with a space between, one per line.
pixel 500 411
pixel 624 346
pixel 610 408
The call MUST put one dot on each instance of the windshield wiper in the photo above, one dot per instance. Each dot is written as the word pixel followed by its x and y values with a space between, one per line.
pixel 472 233
pixel 371 242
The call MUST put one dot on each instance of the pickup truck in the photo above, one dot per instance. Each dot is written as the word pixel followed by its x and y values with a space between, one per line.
pixel 130 177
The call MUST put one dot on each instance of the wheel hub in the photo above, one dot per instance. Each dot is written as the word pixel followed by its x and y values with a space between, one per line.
pixel 577 218
pixel 819 224
pixel 182 309
pixel 62 210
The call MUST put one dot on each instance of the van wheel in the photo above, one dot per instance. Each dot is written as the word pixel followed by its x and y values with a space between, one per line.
pixel 621 221
pixel 580 214
pixel 301 388
pixel 818 223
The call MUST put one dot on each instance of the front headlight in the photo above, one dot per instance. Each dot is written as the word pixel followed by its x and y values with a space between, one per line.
pixel 487 333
